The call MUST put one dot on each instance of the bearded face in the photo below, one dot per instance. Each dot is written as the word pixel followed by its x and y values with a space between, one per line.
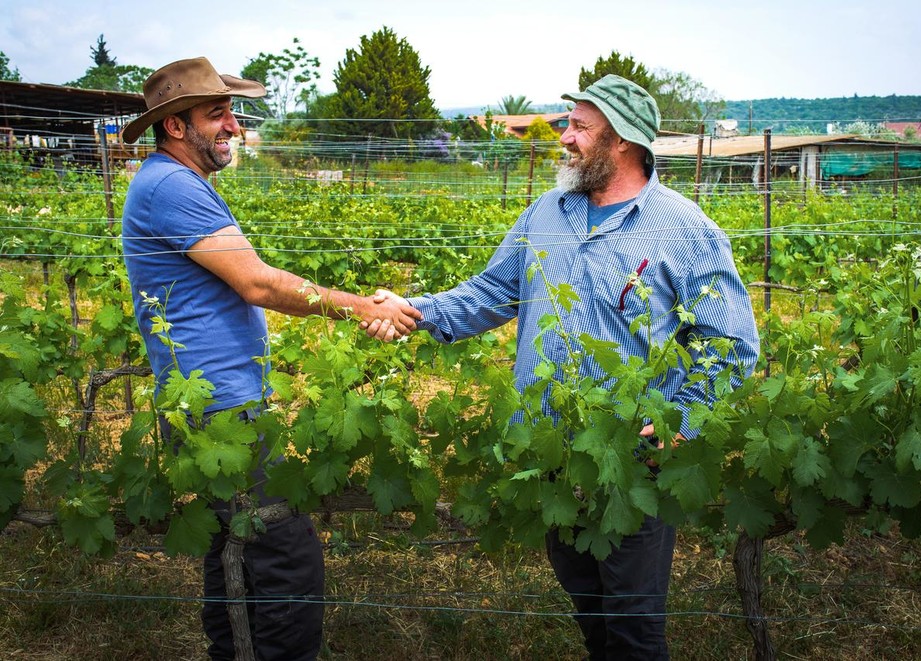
pixel 591 169
pixel 214 153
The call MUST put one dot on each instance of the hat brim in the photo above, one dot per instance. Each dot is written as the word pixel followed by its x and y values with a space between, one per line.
pixel 619 123
pixel 235 87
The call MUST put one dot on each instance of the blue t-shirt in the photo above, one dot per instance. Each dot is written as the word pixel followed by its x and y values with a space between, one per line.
pixel 597 215
pixel 168 209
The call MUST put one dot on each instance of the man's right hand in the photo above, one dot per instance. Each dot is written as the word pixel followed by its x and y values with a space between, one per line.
pixel 388 316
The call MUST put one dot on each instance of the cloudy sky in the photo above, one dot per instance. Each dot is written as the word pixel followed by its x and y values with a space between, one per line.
pixel 482 50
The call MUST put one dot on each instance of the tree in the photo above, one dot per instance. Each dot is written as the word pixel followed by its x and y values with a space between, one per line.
pixel 384 82
pixel 515 105
pixel 615 63
pixel 547 140
pixel 684 103
pixel 107 74
pixel 101 54
pixel 287 76
pixel 6 73
pixel 119 78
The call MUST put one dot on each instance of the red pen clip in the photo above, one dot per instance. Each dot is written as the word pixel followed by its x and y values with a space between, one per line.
pixel 639 272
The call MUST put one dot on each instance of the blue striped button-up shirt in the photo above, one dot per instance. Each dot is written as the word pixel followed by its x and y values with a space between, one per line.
pixel 666 237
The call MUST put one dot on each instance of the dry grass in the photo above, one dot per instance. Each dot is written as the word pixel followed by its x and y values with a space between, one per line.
pixel 393 597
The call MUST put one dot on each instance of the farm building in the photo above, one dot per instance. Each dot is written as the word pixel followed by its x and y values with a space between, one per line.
pixel 63 123
pixel 517 125
pixel 807 158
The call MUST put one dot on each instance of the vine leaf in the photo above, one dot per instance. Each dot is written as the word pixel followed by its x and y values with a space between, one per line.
pixel 225 445
pixel 560 507
pixel 191 529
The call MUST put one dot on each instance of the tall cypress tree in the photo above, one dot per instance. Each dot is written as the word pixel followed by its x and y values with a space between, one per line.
pixel 383 80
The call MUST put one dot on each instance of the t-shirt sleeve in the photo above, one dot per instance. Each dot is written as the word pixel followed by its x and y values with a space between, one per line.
pixel 186 209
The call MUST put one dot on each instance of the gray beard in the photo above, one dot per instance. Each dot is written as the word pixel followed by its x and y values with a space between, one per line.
pixel 569 178
pixel 588 175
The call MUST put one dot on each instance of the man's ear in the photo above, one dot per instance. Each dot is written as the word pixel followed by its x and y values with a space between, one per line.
pixel 174 126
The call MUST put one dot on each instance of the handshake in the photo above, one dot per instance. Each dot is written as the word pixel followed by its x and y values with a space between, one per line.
pixel 386 316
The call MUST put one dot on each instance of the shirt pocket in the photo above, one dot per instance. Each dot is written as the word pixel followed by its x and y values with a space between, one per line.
pixel 616 289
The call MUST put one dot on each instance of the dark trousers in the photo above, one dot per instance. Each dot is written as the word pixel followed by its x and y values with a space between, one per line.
pixel 621 599
pixel 283 569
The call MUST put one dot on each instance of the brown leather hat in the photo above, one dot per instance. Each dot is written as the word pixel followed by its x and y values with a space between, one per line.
pixel 184 84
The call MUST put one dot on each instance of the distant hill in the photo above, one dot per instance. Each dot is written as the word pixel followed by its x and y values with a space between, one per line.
pixel 814 115
pixel 783 115
pixel 466 111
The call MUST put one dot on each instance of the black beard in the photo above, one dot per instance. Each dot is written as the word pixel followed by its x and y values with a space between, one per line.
pixel 207 150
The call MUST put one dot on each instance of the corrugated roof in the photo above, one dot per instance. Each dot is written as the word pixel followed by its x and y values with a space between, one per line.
pixel 743 145
pixel 32 106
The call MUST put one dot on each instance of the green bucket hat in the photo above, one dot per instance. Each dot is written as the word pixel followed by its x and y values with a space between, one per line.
pixel 633 113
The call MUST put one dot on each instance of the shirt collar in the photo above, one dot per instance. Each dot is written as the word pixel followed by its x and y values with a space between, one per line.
pixel 570 202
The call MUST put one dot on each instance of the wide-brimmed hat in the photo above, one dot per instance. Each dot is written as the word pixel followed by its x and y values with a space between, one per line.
pixel 183 84
pixel 633 113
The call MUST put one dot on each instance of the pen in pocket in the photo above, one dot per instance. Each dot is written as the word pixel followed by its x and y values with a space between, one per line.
pixel 631 281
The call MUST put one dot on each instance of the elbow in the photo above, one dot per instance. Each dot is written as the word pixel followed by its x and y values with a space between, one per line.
pixel 254 292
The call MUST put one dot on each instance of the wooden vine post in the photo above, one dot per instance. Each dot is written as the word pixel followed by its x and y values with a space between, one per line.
pixel 746 562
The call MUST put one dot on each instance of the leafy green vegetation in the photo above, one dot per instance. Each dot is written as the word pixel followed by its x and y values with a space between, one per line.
pixel 831 435
pixel 814 115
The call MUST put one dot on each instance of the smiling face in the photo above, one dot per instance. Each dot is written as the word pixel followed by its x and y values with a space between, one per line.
pixel 207 136
pixel 588 139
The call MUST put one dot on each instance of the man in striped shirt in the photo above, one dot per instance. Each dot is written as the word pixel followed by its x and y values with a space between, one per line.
pixel 608 227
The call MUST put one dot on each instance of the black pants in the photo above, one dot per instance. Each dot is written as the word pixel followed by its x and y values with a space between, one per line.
pixel 621 599
pixel 283 568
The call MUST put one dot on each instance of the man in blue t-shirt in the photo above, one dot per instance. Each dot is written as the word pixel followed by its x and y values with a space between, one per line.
pixel 183 245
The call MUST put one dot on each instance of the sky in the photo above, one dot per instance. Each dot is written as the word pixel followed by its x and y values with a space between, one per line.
pixel 480 51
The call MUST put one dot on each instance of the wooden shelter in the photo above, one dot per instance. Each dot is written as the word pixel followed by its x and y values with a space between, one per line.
pixel 65 123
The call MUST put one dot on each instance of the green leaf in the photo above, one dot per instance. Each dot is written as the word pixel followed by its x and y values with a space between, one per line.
pixel 280 383
pixel 425 489
pixel 224 446
pixel 566 296
pixel 889 486
pixel 849 438
pixel 909 521
pixel 388 486
pixel 771 454
pixel 605 353
pixel 184 474
pixel 152 504
pixel 751 508
pixel 109 317
pixel 596 542
pixel 18 398
pixel 92 534
pixel 193 393
pixel 327 472
pixel 620 515
pixel 692 475
pixel 810 464
pixel 471 505
pixel 12 487
pixel 828 528
pixel 559 506
pixel 190 531
pixel 547 444
pixel 908 450
pixel 807 506
pixel 288 479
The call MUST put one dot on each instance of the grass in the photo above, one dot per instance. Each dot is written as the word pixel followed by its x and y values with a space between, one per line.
pixel 390 596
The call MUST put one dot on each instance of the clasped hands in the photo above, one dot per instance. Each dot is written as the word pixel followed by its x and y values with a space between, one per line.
pixel 386 316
